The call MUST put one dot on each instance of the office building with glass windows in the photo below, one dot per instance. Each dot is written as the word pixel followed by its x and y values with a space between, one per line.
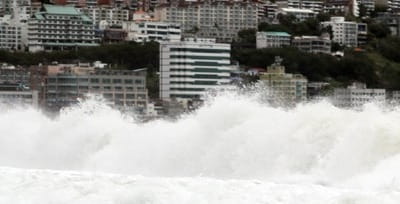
pixel 189 68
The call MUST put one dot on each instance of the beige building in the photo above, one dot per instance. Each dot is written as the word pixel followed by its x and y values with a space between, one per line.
pixel 284 88
pixel 64 84
pixel 211 19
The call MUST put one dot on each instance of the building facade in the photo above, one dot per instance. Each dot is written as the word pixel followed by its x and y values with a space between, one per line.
pixel 13 35
pixel 7 6
pixel 121 88
pixel 345 33
pixel 393 5
pixel 392 20
pixel 284 88
pixel 342 7
pixel 316 6
pixel 112 16
pixel 153 31
pixel 299 14
pixel 356 95
pixel 272 39
pixel 188 69
pixel 221 20
pixel 60 28
pixel 15 87
pixel 313 44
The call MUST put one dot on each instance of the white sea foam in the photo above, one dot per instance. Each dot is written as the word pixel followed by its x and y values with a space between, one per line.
pixel 314 153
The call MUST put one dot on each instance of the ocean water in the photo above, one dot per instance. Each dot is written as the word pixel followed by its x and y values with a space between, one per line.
pixel 235 149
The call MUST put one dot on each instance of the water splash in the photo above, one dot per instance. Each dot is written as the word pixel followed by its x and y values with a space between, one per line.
pixel 232 137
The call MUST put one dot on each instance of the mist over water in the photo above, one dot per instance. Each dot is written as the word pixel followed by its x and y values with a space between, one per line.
pixel 322 151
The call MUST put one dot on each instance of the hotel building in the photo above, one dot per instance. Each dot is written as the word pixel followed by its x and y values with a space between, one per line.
pixel 60 28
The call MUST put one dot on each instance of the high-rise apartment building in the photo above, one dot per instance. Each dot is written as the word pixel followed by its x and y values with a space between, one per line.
pixel 211 19
pixel 7 6
pixel 284 88
pixel 191 67
pixel 60 28
pixel 13 33
pixel 345 32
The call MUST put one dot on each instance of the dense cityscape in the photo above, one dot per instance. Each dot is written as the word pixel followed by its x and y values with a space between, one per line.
pixel 158 58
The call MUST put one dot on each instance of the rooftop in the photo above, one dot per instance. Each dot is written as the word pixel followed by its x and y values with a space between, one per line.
pixel 285 34
pixel 64 10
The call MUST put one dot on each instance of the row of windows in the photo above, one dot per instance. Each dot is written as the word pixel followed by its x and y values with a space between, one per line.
pixel 95 80
pixel 203 50
pixel 200 76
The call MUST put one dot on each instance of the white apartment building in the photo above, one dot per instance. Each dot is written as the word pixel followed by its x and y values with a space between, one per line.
pixel 191 67
pixel 357 95
pixel 272 39
pixel 345 32
pixel 316 6
pixel 300 14
pixel 7 6
pixel 13 33
pixel 113 16
pixel 211 19
pixel 284 88
pixel 152 31
pixel 313 44
pixel 60 28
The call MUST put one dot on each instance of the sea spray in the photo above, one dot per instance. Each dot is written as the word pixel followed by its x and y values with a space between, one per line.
pixel 231 137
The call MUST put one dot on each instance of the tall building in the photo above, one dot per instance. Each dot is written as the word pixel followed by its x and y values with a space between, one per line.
pixel 346 33
pixel 13 33
pixel 284 88
pixel 7 6
pixel 357 95
pixel 272 39
pixel 211 19
pixel 191 67
pixel 60 28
